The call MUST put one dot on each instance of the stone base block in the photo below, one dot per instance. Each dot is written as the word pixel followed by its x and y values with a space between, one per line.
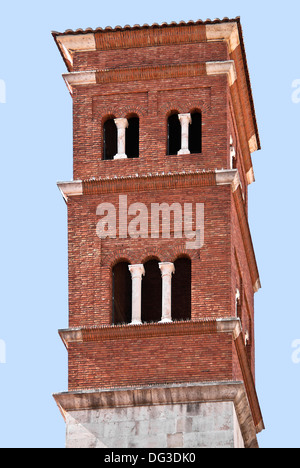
pixel 215 415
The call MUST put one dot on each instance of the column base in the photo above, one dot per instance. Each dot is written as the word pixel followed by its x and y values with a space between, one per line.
pixel 184 151
pixel 136 322
pixel 120 156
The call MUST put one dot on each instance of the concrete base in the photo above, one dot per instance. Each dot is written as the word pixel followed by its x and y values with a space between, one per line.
pixel 189 416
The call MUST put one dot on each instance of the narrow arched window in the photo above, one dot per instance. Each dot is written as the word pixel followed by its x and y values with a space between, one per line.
pixel 174 134
pixel 195 133
pixel 151 292
pixel 110 139
pixel 182 290
pixel 132 137
pixel 122 293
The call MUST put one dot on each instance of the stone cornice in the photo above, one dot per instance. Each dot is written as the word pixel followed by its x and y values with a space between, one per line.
pixel 69 189
pixel 220 68
pixel 228 177
pixel 172 394
pixel 249 382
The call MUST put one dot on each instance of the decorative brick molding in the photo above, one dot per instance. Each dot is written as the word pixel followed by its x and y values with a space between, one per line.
pixel 120 105
pixel 150 182
pixel 138 38
pixel 84 334
pixel 151 73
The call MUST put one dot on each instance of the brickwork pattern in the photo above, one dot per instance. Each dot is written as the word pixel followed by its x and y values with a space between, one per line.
pixel 151 80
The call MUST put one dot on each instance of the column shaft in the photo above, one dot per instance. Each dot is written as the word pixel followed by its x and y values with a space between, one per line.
pixel 121 125
pixel 137 271
pixel 185 121
pixel 166 272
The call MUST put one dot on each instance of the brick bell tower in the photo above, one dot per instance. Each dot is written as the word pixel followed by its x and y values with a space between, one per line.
pixel 162 271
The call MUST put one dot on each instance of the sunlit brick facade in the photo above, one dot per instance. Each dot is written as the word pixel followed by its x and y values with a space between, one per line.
pixel 160 334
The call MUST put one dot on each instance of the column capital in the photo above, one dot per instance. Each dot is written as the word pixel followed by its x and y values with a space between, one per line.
pixel 121 123
pixel 166 268
pixel 137 271
pixel 185 118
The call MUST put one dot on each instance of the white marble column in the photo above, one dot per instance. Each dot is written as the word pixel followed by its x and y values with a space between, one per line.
pixel 185 121
pixel 237 301
pixel 167 269
pixel 121 125
pixel 137 271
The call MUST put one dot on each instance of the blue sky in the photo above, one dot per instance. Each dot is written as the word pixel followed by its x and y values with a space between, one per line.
pixel 36 152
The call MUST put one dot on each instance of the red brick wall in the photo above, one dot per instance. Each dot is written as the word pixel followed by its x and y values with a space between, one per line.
pixel 216 268
pixel 146 361
pixel 152 100
pixel 134 57
pixel 91 259
pixel 241 276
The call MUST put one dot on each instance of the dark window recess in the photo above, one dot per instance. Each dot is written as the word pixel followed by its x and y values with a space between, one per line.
pixel 182 290
pixel 122 293
pixel 110 138
pixel 174 134
pixel 132 138
pixel 195 133
pixel 151 292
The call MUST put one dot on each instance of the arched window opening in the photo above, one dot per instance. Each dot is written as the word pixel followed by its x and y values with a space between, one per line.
pixel 110 139
pixel 122 293
pixel 132 137
pixel 182 290
pixel 174 134
pixel 151 292
pixel 195 133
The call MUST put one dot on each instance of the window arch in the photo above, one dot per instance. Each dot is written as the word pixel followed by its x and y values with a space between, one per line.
pixel 132 136
pixel 122 293
pixel 174 134
pixel 195 132
pixel 182 289
pixel 110 138
pixel 151 292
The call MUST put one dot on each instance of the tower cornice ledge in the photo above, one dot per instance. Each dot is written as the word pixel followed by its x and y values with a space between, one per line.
pixel 69 189
pixel 106 332
pixel 92 77
pixel 204 392
pixel 151 181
